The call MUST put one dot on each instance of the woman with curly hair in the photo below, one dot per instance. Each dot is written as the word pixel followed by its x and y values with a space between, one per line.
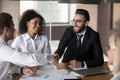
pixel 31 38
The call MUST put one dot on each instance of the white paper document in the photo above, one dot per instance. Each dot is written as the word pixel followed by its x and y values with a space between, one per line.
pixel 50 72
pixel 40 77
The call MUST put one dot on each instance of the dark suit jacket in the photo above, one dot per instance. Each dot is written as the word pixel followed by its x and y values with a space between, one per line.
pixel 90 51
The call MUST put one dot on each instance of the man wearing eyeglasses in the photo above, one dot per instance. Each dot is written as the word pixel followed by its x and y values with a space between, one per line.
pixel 89 53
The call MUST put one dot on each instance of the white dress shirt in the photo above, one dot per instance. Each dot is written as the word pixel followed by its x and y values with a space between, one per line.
pixel 8 54
pixel 24 43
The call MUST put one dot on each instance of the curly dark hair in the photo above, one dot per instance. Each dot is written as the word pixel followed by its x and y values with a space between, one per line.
pixel 27 16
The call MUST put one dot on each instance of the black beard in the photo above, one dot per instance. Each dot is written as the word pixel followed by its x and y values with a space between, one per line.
pixel 82 29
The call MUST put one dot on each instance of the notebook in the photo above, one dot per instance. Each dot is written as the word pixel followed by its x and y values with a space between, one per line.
pixel 90 71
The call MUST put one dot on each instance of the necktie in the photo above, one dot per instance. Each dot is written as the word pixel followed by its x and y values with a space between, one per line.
pixel 78 44
pixel 78 40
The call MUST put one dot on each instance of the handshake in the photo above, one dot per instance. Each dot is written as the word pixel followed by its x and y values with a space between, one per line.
pixel 31 71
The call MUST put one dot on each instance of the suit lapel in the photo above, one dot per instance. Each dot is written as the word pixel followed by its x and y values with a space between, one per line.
pixel 86 38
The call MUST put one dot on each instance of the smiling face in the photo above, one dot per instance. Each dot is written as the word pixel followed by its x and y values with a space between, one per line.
pixel 79 23
pixel 33 25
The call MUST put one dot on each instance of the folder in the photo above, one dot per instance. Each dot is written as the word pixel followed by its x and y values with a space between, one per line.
pixel 91 71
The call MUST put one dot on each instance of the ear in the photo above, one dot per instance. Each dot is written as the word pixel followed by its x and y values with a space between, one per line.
pixel 5 29
pixel 86 23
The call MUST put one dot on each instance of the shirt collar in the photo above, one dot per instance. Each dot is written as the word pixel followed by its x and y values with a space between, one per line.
pixel 82 33
pixel 27 36
pixel 3 41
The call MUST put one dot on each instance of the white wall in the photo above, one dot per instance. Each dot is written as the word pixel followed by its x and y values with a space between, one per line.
pixel 11 7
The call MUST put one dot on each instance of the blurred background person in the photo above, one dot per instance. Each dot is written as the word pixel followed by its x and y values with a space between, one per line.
pixel 114 55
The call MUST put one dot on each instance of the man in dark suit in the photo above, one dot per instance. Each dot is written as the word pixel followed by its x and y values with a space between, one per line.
pixel 89 53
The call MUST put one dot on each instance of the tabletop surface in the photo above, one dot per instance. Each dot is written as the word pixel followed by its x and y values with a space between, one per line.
pixel 106 76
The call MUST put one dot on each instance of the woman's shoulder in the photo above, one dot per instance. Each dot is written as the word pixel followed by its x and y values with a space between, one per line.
pixel 20 37
pixel 43 36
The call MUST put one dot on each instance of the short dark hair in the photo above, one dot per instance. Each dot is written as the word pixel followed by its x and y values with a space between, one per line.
pixel 5 21
pixel 83 12
pixel 27 16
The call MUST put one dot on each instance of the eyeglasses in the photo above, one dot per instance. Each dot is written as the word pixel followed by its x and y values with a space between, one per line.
pixel 77 21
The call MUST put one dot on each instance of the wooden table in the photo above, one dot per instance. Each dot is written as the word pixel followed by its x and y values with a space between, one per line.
pixel 96 77
pixel 106 76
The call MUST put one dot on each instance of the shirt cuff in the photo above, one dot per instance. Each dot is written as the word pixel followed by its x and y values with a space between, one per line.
pixel 84 65
pixel 50 58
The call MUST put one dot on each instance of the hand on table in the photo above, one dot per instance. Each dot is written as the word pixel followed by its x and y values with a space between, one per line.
pixel 56 59
pixel 75 64
pixel 30 71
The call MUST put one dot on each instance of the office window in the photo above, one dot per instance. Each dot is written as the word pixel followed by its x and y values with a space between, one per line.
pixel 52 11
